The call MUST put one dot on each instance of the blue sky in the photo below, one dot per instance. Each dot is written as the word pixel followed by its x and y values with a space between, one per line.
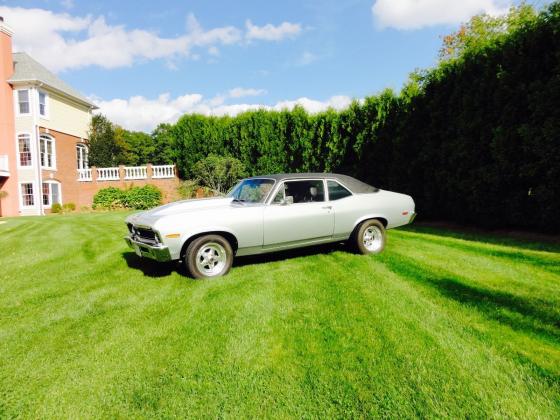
pixel 146 62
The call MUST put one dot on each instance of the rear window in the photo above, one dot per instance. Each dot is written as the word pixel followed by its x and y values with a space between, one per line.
pixel 337 191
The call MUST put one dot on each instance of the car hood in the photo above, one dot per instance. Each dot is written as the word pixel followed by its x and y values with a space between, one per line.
pixel 148 217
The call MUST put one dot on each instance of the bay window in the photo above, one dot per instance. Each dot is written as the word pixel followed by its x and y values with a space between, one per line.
pixel 48 155
pixel 23 102
pixel 27 198
pixel 51 193
pixel 24 149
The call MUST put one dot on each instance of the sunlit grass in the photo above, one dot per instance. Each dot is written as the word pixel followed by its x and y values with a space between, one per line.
pixel 440 324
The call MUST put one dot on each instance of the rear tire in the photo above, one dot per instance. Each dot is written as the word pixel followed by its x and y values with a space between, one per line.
pixel 370 237
pixel 208 256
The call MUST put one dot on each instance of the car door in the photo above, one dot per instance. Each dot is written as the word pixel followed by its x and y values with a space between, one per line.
pixel 298 213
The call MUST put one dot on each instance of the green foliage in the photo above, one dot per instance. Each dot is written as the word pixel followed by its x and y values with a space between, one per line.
pixel 109 199
pixel 139 198
pixel 68 207
pixel 190 188
pixel 219 173
pixel 142 198
pixel 104 149
pixel 484 29
pixel 473 140
pixel 56 208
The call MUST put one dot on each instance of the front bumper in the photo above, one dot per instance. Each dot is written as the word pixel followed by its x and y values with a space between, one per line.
pixel 154 252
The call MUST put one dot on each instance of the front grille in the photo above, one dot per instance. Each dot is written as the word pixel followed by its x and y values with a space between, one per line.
pixel 146 234
pixel 143 234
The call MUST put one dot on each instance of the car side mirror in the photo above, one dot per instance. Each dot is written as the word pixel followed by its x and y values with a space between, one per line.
pixel 288 200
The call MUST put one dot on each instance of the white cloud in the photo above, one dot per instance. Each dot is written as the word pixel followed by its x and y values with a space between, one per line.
pixel 240 92
pixel 270 32
pixel 62 41
pixel 415 14
pixel 143 114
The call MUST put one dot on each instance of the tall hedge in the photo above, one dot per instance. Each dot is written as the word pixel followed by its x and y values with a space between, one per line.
pixel 476 139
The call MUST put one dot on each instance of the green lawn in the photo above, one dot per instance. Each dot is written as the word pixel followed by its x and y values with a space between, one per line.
pixel 441 324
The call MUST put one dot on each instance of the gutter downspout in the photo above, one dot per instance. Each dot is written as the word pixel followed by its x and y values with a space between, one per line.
pixel 38 148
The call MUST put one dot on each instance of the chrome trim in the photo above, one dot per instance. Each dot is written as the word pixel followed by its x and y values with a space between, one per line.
pixel 158 253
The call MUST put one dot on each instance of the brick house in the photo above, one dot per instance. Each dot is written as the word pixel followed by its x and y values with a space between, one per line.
pixel 43 132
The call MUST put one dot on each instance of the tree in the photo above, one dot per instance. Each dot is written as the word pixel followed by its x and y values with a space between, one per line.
pixel 163 142
pixel 104 151
pixel 482 29
pixel 219 173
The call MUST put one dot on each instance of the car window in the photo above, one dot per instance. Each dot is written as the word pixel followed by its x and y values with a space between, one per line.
pixel 280 195
pixel 253 190
pixel 303 191
pixel 337 191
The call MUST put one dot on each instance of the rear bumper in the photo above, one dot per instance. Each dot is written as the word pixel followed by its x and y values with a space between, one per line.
pixel 155 252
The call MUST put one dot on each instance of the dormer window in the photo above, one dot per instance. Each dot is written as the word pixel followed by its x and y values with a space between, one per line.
pixel 23 102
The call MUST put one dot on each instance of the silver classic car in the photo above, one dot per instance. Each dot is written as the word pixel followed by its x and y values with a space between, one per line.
pixel 265 214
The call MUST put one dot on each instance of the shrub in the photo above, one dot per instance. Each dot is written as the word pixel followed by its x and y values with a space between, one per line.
pixel 192 189
pixel 219 173
pixel 108 199
pixel 142 198
pixel 56 208
pixel 68 207
pixel 139 198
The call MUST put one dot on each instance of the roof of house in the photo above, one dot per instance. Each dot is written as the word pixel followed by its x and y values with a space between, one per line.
pixel 354 185
pixel 26 69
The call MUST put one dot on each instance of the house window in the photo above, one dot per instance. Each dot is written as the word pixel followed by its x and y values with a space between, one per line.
pixel 27 199
pixel 51 193
pixel 23 101
pixel 48 155
pixel 82 156
pixel 43 104
pixel 24 145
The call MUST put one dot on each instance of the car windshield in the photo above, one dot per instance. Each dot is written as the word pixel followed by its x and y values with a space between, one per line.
pixel 253 190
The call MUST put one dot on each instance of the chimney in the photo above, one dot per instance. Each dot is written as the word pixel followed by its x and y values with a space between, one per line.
pixel 9 184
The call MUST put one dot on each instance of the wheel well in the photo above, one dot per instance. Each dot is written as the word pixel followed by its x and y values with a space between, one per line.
pixel 228 236
pixel 383 221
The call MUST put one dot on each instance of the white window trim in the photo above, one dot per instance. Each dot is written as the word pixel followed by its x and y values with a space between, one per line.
pixel 53 141
pixel 85 156
pixel 47 104
pixel 30 102
pixel 18 161
pixel 50 182
pixel 34 186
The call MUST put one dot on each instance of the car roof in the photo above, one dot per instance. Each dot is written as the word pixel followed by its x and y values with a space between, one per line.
pixel 354 185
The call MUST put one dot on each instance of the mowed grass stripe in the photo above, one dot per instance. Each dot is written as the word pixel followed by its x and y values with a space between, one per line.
pixel 92 332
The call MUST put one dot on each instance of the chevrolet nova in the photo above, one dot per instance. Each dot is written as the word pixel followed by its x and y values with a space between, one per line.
pixel 265 214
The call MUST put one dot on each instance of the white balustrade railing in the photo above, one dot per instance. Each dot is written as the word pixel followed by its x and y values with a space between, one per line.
pixel 84 175
pixel 130 172
pixel 108 174
pixel 4 166
pixel 135 172
pixel 163 171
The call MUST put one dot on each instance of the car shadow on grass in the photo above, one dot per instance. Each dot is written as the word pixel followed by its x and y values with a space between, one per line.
pixel 151 268
pixel 155 269
pixel 289 254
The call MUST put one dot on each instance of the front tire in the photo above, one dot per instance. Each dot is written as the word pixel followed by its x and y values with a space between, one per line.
pixel 370 237
pixel 208 256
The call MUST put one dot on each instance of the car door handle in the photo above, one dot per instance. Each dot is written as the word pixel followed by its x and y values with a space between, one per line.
pixel 327 207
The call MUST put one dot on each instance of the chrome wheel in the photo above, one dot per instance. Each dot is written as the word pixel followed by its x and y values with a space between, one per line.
pixel 211 259
pixel 373 238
